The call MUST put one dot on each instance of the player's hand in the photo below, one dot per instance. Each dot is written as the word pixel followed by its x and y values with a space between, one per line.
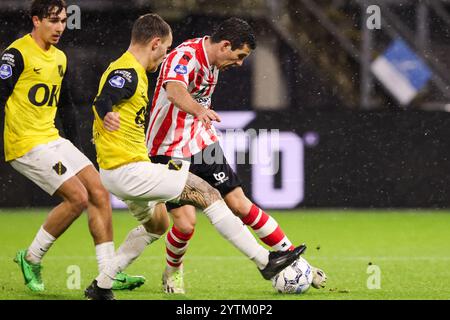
pixel 207 116
pixel 111 121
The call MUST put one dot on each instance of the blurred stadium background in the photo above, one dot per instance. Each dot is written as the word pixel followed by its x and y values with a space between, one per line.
pixel 363 114
pixel 363 117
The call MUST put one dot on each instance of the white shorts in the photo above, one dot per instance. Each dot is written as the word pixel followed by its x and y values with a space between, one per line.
pixel 146 181
pixel 50 165
pixel 141 185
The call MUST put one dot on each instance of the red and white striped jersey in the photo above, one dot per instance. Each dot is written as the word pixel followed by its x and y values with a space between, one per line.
pixel 171 131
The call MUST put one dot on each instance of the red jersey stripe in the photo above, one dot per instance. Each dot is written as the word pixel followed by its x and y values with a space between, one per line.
pixel 163 130
pixel 178 132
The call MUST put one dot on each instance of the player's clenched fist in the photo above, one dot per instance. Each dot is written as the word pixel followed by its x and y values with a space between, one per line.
pixel 111 122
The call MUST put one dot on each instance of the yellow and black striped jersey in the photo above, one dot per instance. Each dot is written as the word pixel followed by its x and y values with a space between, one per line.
pixel 123 89
pixel 31 82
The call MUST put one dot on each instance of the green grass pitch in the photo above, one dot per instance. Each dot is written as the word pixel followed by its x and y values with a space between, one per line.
pixel 411 249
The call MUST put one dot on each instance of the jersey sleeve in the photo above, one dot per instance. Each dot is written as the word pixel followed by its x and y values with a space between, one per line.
pixel 178 68
pixel 68 114
pixel 11 67
pixel 121 84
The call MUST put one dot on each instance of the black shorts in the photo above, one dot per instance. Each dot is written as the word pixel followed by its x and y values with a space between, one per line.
pixel 210 165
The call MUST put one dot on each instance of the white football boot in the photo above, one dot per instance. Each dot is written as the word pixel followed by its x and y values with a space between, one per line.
pixel 173 281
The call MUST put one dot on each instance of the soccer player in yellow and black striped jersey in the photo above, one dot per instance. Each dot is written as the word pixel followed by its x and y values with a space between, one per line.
pixel 127 172
pixel 33 88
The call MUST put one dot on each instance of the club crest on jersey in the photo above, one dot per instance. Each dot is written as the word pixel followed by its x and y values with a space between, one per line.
pixel 59 168
pixel 180 69
pixel 117 82
pixel 5 71
pixel 175 165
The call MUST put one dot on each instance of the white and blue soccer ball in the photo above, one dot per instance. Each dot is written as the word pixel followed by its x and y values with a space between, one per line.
pixel 296 278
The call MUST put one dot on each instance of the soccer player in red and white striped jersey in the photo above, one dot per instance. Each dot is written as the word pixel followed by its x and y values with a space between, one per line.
pixel 180 127
pixel 173 131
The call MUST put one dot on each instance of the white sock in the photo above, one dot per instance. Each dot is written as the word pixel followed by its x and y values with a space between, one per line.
pixel 104 253
pixel 137 240
pixel 40 245
pixel 232 229
pixel 135 243
pixel 106 277
pixel 170 269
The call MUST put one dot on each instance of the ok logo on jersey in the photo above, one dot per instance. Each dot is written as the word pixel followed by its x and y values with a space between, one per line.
pixel 41 94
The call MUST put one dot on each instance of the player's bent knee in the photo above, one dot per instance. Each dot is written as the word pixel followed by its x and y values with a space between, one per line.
pixel 158 224
pixel 161 227
pixel 185 227
pixel 79 201
pixel 100 196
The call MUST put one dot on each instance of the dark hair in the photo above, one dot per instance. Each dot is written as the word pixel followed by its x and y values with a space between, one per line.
pixel 149 26
pixel 44 8
pixel 237 31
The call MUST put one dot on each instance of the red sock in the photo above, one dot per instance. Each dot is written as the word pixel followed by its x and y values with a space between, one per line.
pixel 267 229
pixel 176 246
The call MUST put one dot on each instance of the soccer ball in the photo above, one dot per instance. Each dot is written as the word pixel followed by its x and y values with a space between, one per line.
pixel 296 278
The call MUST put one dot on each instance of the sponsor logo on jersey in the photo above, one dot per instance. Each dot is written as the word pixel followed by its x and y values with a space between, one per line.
pixel 180 69
pixel 125 74
pixel 5 71
pixel 117 82
pixel 37 70
pixel 206 102
pixel 47 95
pixel 9 58
pixel 59 168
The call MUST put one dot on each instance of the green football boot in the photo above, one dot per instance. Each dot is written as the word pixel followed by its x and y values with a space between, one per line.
pixel 31 272
pixel 124 281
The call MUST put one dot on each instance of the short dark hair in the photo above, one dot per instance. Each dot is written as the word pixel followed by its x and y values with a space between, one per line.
pixel 149 26
pixel 237 31
pixel 44 8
